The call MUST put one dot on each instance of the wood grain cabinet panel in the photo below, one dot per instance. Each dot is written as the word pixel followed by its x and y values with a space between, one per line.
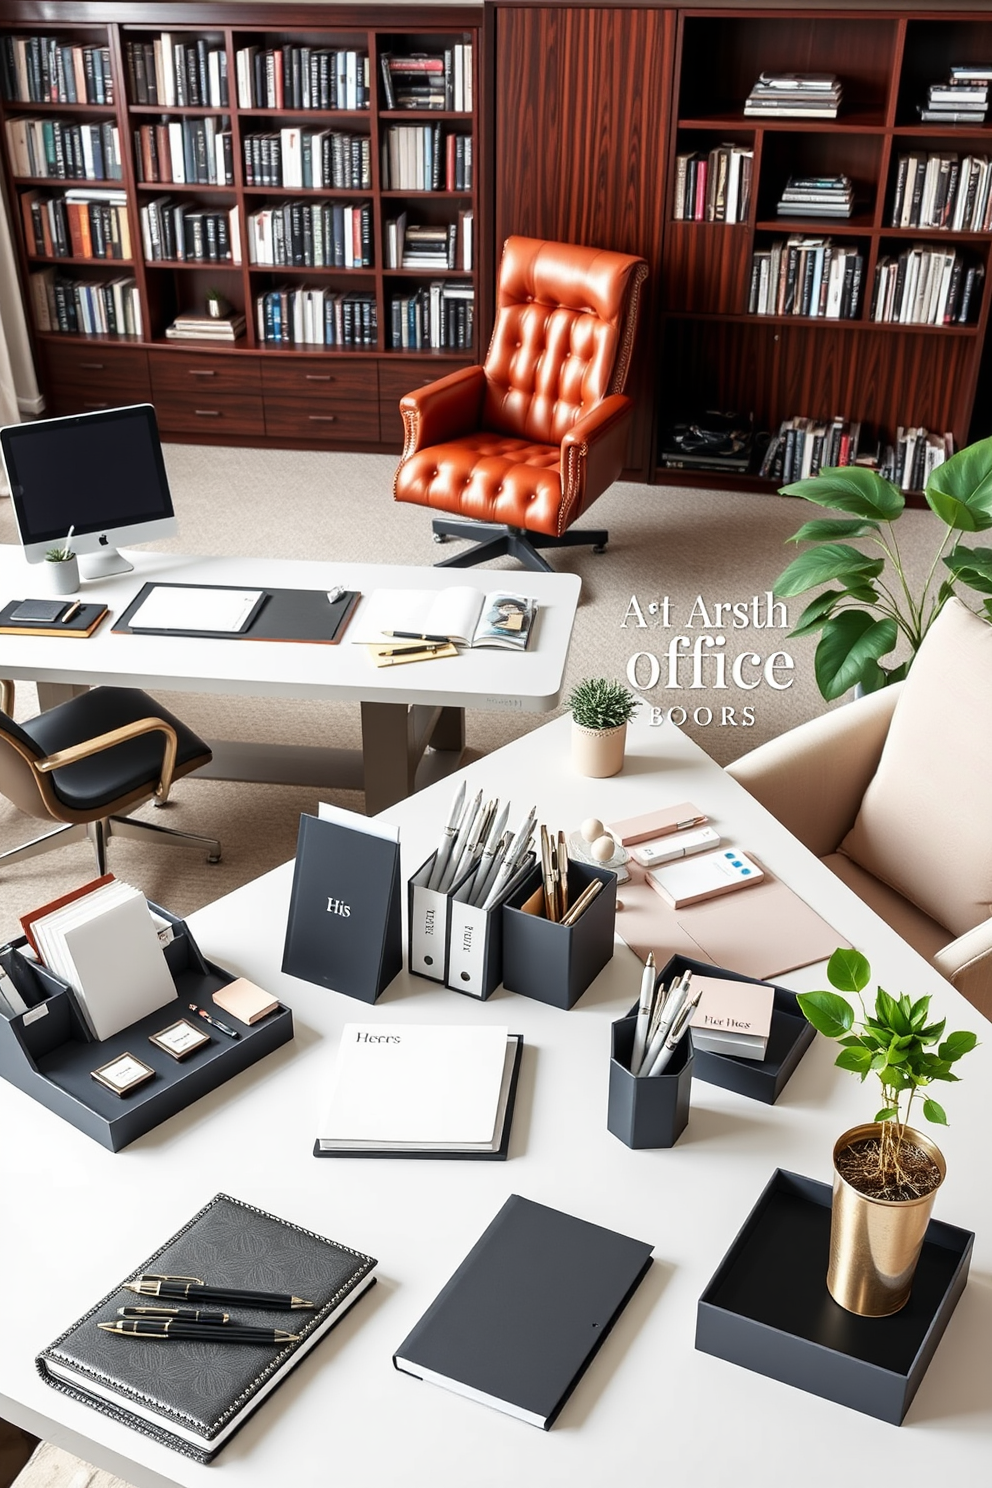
pixel 89 378
pixel 310 398
pixel 217 415
pixel 394 382
pixel 182 372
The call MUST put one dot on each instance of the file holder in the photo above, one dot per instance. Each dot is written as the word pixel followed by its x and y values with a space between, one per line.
pixel 427 925
pixel 648 1110
pixel 556 963
pixel 47 1051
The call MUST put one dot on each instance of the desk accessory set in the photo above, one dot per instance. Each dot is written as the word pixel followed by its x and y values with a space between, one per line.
pixel 51 617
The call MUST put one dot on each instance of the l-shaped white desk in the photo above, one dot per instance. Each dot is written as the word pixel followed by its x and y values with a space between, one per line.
pixel 404 708
pixel 650 1409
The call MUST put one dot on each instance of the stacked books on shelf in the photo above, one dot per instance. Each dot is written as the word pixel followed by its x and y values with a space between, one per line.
pixel 47 69
pixel 817 196
pixel 77 306
pixel 302 234
pixel 709 440
pixel 417 157
pixel 429 80
pixel 428 246
pixel 439 317
pixel 302 77
pixel 64 149
pixel 806 276
pixel 86 222
pixel 910 462
pixel 308 158
pixel 174 231
pixel 206 328
pixel 715 186
pixel 943 191
pixel 301 315
pixel 925 285
pixel 794 95
pixel 190 151
pixel 962 99
pixel 804 446
pixel 177 74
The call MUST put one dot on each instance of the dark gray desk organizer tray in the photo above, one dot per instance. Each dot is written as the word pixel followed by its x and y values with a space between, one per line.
pixel 47 1052
pixel 556 963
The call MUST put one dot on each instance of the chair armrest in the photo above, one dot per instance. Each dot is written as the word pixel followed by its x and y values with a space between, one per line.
pixel 443 410
pixel 812 779
pixel 119 736
pixel 592 455
pixel 967 965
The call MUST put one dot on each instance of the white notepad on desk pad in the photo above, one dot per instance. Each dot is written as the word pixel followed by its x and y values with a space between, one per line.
pixel 463 614
pixel 416 1085
pixel 187 607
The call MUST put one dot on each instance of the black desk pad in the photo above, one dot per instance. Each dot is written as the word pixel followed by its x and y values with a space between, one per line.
pixel 283 615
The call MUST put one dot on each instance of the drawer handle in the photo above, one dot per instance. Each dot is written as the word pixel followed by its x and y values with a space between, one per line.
pixel 207 412
pixel 201 371
pixel 322 418
pixel 317 376
pixel 104 404
pixel 92 366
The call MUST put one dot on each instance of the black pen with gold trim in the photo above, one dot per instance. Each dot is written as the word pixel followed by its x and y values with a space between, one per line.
pixel 178 1328
pixel 192 1289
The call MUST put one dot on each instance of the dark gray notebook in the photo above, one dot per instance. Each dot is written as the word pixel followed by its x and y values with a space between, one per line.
pixel 193 1396
pixel 522 1317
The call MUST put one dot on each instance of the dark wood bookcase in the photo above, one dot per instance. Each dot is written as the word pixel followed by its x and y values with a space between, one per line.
pixel 253 391
pixel 592 106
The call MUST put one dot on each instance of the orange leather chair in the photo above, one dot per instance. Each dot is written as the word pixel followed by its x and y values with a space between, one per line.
pixel 523 445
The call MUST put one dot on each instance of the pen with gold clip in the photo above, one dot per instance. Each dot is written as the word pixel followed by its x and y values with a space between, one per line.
pixel 188 1314
pixel 561 862
pixel 192 1289
pixel 584 900
pixel 205 1332
pixel 548 877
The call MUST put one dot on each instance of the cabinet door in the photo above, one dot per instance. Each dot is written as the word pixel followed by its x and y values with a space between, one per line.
pixel 581 107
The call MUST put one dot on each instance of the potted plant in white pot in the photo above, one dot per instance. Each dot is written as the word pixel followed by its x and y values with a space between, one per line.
pixel 873 606
pixel 63 567
pixel 886 1174
pixel 601 710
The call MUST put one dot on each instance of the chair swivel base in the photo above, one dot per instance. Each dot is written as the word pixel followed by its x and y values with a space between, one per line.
pixel 100 832
pixel 494 540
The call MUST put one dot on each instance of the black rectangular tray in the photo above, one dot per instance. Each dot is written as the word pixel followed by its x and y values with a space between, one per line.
pixel 767 1307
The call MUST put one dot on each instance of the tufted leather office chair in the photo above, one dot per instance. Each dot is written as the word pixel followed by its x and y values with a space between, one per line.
pixel 523 445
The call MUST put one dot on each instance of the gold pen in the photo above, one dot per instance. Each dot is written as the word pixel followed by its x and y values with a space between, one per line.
pixel 561 857
pixel 71 611
pixel 550 909
pixel 584 900
pixel 412 650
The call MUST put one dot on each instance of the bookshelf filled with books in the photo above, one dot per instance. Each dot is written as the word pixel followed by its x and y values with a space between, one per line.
pixel 272 203
pixel 853 289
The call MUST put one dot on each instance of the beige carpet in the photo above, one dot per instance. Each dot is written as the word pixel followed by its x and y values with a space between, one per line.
pixel 665 543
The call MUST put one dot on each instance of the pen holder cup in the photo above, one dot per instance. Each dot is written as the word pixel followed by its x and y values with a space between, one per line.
pixel 648 1110
pixel 556 963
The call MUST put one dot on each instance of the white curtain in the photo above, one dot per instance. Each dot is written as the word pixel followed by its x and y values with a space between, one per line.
pixel 19 395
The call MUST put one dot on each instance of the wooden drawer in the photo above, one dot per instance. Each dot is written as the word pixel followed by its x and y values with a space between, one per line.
pixel 187 372
pixel 81 379
pixel 397 379
pixel 310 399
pixel 203 410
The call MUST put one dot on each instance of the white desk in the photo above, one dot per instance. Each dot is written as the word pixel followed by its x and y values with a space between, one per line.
pixel 346 1417
pixel 403 708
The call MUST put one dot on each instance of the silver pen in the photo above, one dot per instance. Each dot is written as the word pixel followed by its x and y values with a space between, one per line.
pixel 496 831
pixel 447 838
pixel 675 1034
pixel 465 827
pixel 513 857
pixel 473 845
pixel 643 1014
pixel 514 881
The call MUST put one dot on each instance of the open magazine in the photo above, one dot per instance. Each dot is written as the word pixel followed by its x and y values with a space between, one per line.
pixel 461 614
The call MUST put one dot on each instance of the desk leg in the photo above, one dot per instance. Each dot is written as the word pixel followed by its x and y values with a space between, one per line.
pixel 394 737
pixel 50 694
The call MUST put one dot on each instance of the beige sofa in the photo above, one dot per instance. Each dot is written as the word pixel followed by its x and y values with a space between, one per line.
pixel 894 793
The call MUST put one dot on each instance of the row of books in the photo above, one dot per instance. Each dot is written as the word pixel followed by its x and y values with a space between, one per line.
pixel 942 190
pixel 814 277
pixel 45 69
pixel 298 315
pixel 915 455
pixel 302 77
pixel 429 80
pixel 817 196
pixel 418 157
pixel 962 99
pixel 84 223
pixel 186 151
pixel 174 231
pixel 794 95
pixel 804 446
pixel 313 235
pixel 427 246
pixel 84 307
pixel 64 149
pixel 714 186
pixel 308 158
pixel 440 317
pixel 177 74
pixel 926 286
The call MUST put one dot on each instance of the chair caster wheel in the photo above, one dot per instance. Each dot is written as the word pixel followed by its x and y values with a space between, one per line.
pixel 214 860
pixel 599 548
pixel 440 537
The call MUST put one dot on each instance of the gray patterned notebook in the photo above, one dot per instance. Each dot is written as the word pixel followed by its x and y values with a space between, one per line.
pixel 190 1395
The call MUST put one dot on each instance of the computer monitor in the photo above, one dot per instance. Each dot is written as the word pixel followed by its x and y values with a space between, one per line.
pixel 100 474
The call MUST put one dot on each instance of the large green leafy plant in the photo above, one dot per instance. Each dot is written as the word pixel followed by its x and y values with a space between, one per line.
pixel 861 621
pixel 896 1042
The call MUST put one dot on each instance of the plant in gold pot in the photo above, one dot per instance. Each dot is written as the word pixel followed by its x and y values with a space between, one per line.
pixel 886 1174
pixel 601 710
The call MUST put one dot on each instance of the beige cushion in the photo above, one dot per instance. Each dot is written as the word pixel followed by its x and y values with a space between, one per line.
pixel 916 928
pixel 924 823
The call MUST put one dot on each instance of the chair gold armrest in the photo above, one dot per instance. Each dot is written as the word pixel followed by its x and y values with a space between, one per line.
pixel 120 735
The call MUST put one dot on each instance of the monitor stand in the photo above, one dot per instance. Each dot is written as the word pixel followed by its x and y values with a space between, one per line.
pixel 101 565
